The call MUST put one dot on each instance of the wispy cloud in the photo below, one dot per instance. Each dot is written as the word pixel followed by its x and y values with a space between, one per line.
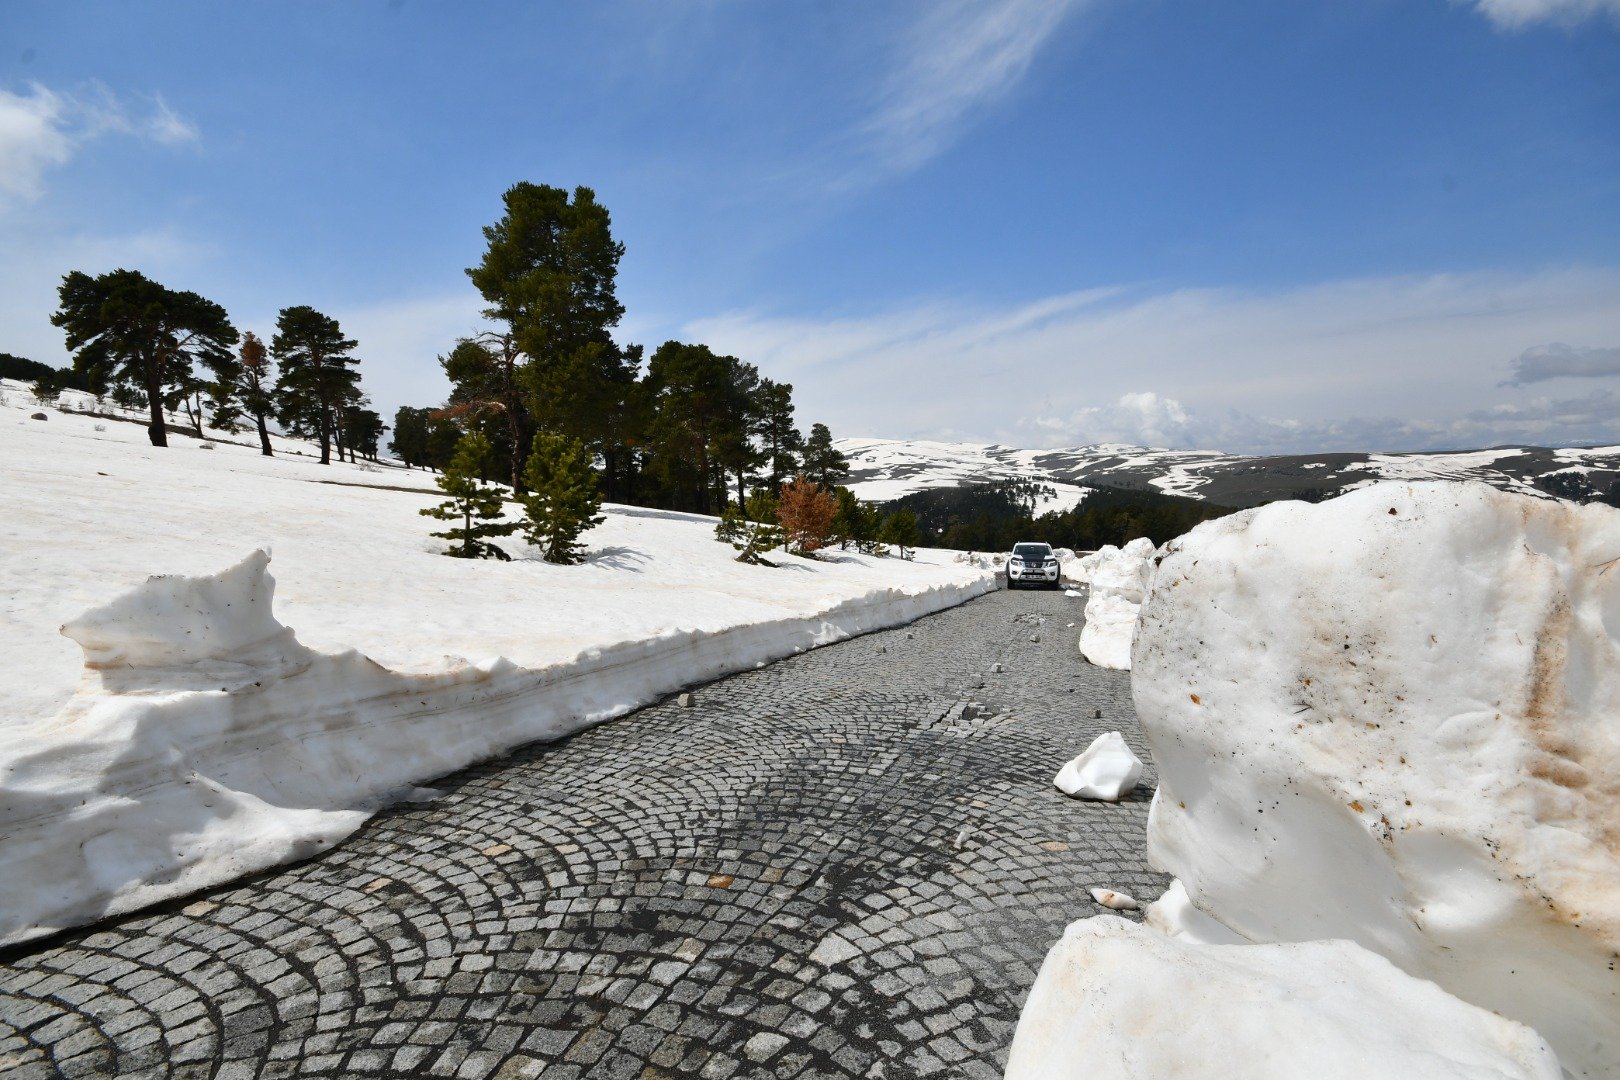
pixel 1146 418
pixel 41 129
pixel 1560 361
pixel 1515 14
pixel 956 62
pixel 1247 370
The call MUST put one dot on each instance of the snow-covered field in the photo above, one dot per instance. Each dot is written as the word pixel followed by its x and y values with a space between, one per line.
pixel 884 469
pixel 207 739
pixel 887 469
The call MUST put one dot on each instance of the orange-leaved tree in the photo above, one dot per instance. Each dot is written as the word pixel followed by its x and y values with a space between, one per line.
pixel 806 511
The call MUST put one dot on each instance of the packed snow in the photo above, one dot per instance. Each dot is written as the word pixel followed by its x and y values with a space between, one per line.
pixel 1394 718
pixel 182 733
pixel 1106 770
pixel 1116 999
pixel 1119 580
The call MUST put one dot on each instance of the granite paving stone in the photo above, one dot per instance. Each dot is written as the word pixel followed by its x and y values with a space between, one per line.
pixel 849 863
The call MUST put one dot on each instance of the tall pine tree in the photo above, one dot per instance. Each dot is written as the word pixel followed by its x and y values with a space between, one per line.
pixel 137 333
pixel 823 462
pixel 549 272
pixel 317 377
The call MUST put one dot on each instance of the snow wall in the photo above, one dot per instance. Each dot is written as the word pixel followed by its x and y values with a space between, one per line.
pixel 205 742
pixel 1394 718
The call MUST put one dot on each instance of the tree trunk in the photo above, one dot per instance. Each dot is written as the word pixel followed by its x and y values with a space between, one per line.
pixel 264 436
pixel 326 440
pixel 156 430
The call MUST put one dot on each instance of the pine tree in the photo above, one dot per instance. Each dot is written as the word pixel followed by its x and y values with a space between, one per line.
pixel 781 441
pixel 752 528
pixel 140 334
pixel 409 441
pixel 562 499
pixel 857 523
pixel 317 377
pixel 549 273
pixel 484 378
pixel 478 507
pixel 363 427
pixel 823 462
pixel 806 511
pixel 900 529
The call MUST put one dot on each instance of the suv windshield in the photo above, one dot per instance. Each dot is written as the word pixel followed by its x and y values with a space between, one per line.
pixel 1032 551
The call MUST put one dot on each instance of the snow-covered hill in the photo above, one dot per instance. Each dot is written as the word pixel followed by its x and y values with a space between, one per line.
pixel 883 469
pixel 165 735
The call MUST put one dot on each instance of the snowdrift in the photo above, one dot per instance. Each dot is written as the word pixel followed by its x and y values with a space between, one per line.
pixel 1117 999
pixel 1119 579
pixel 1394 718
pixel 207 742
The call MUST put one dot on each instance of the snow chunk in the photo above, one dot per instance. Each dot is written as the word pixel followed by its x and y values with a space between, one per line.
pixel 1105 638
pixel 1117 999
pixel 1392 718
pixel 1120 578
pixel 1115 901
pixel 1107 770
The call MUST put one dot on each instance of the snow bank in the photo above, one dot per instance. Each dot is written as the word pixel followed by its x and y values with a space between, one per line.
pixel 1119 579
pixel 1106 770
pixel 181 734
pixel 1117 999
pixel 1395 718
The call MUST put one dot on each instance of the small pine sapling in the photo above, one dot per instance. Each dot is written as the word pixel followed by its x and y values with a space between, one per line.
pixel 475 504
pixel 806 511
pixel 900 529
pixel 751 530
pixel 562 500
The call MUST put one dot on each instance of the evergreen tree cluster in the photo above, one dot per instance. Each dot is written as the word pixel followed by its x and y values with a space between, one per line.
pixel 995 516
pixel 684 428
pixel 150 347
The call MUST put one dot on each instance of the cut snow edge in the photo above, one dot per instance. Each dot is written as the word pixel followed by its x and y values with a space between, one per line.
pixel 206 742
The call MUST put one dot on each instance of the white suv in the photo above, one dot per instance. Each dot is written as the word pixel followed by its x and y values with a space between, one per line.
pixel 1032 564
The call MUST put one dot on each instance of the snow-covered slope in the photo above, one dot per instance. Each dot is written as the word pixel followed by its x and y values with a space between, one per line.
pixel 887 469
pixel 187 732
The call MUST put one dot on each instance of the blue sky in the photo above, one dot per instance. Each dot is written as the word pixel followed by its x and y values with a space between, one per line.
pixel 1251 226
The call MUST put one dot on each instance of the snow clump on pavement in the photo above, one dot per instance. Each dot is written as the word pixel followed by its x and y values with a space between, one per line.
pixel 1106 770
pixel 1394 718
pixel 1119 579
pixel 1118 999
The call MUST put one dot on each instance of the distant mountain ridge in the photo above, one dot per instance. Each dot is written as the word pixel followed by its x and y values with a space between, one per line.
pixel 886 469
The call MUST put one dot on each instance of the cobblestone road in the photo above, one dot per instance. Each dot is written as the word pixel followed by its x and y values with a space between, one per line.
pixel 832 866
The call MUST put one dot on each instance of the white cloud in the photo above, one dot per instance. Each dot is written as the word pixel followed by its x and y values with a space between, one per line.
pixel 401 341
pixel 960 58
pixel 1560 361
pixel 42 129
pixel 1515 14
pixel 1385 363
pixel 32 140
